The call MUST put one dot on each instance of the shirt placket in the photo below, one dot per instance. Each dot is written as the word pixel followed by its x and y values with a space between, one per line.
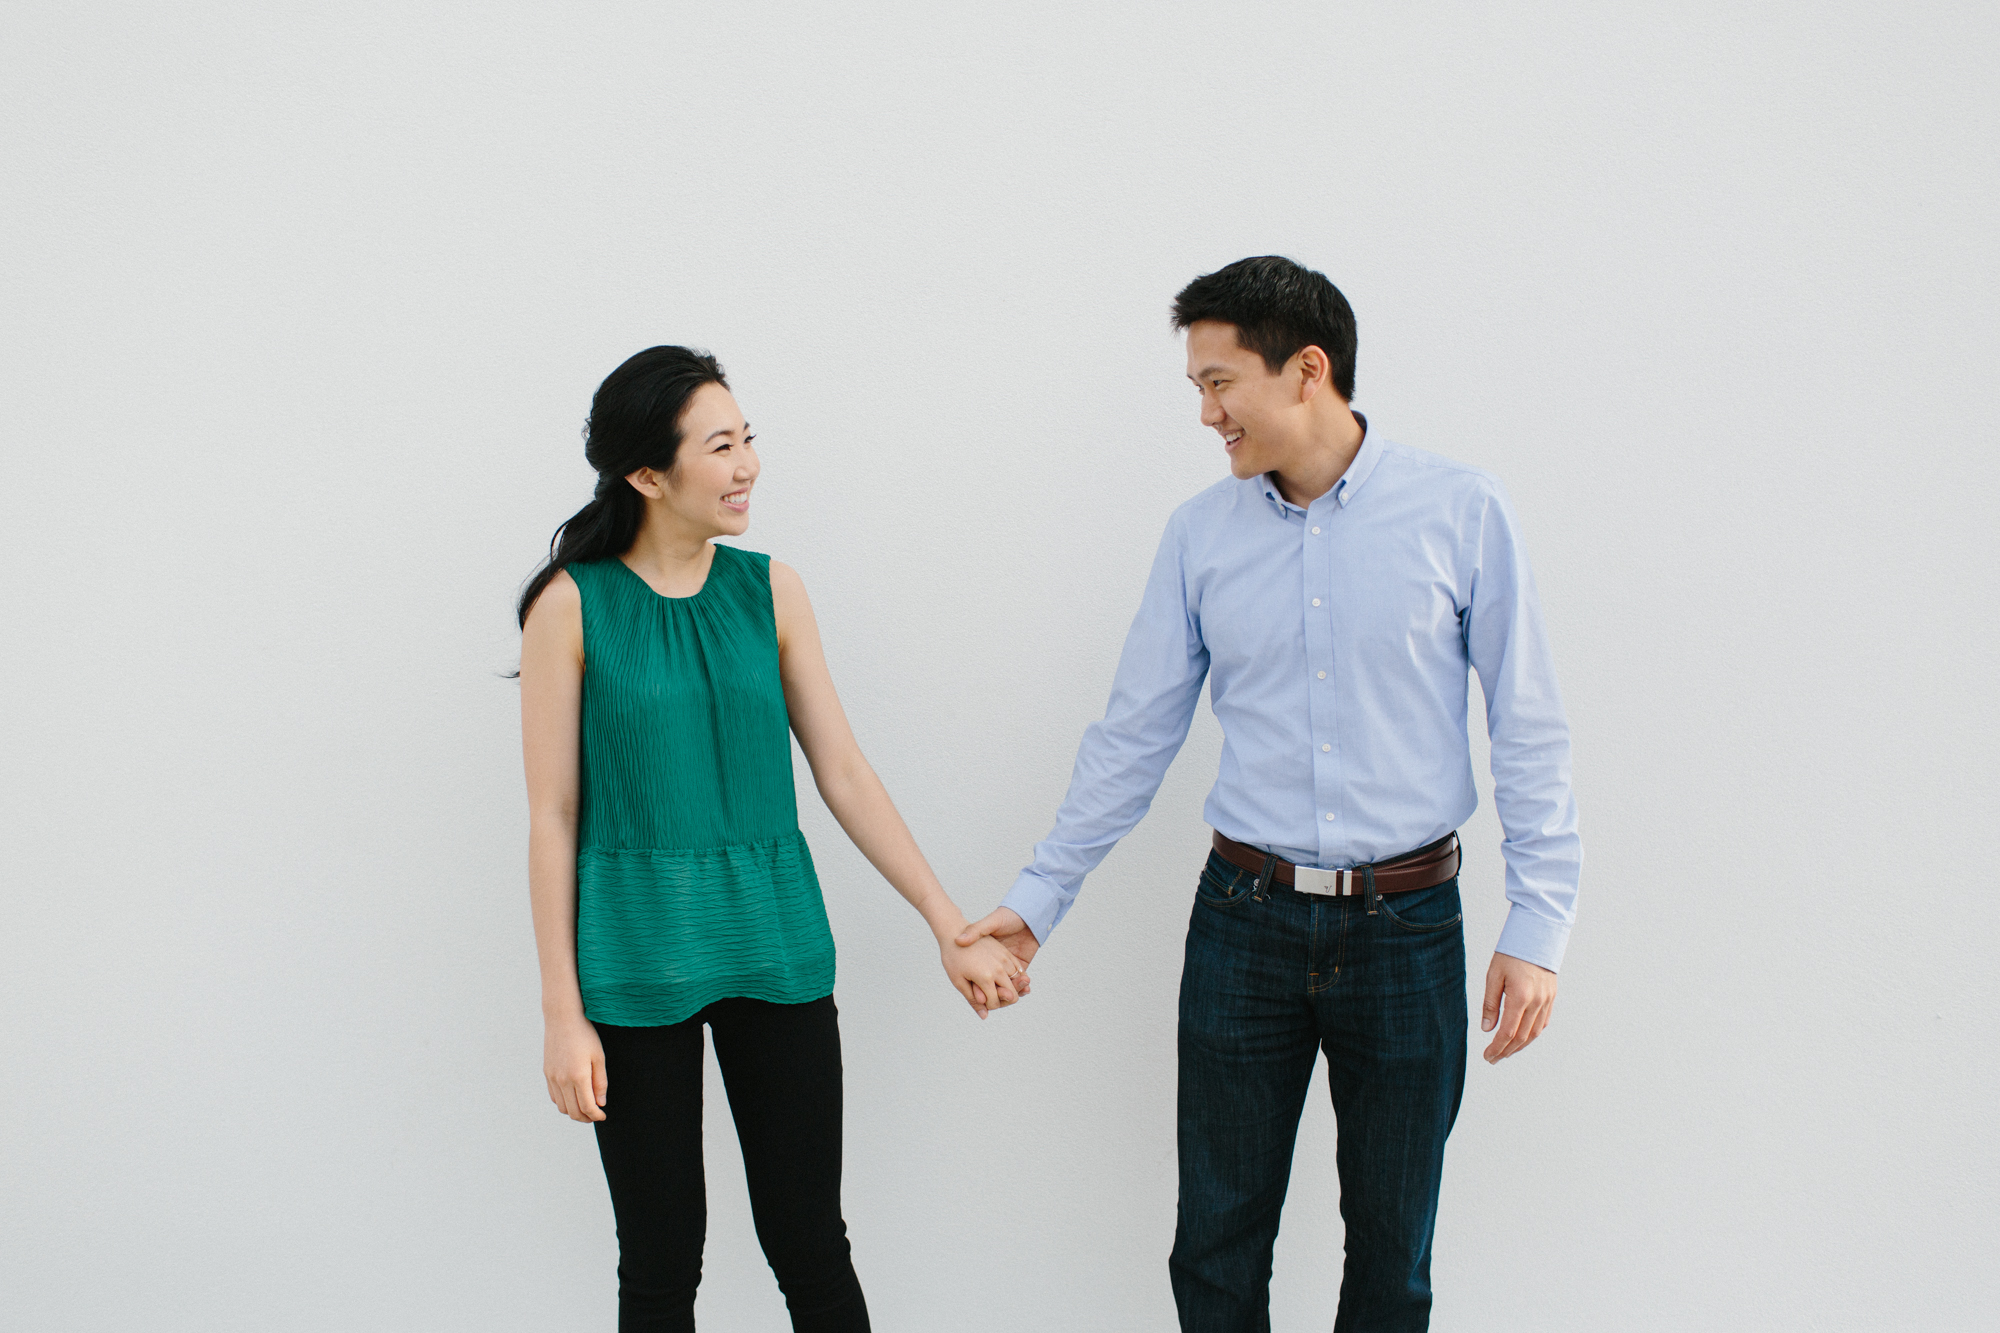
pixel 1322 680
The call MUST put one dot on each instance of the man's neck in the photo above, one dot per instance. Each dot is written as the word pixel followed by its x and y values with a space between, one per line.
pixel 1323 460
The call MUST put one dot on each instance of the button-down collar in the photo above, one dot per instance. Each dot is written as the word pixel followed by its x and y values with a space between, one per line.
pixel 1362 467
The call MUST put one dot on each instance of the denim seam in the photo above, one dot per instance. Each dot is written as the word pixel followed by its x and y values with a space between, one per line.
pixel 1340 949
pixel 1326 979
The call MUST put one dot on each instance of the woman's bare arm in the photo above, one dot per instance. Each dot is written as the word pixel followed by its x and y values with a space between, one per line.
pixel 551 707
pixel 986 978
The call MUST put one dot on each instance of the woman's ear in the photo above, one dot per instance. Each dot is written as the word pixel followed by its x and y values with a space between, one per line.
pixel 648 483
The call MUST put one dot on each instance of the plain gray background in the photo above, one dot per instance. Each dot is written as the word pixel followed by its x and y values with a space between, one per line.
pixel 302 310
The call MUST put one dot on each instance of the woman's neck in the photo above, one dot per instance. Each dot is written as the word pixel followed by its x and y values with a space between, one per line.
pixel 671 556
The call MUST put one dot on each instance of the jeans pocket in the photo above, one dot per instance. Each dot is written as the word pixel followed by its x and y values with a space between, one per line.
pixel 1216 891
pixel 1426 899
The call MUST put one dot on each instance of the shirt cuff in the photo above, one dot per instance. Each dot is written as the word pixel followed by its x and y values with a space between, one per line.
pixel 1533 939
pixel 1037 900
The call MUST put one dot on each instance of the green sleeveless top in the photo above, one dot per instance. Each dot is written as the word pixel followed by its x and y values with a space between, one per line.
pixel 693 882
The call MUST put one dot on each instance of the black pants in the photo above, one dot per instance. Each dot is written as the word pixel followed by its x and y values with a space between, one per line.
pixel 781 1064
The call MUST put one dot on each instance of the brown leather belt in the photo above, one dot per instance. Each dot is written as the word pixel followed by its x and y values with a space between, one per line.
pixel 1424 868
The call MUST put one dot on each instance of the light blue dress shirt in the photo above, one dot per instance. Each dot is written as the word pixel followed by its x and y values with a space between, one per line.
pixel 1336 640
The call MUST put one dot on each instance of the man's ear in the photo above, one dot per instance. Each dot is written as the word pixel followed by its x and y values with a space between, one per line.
pixel 1315 372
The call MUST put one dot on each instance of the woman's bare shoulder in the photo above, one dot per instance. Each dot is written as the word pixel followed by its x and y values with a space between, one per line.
pixel 788 590
pixel 782 573
pixel 558 609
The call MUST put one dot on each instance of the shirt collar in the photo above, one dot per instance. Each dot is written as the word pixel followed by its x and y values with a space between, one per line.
pixel 1350 482
pixel 1370 454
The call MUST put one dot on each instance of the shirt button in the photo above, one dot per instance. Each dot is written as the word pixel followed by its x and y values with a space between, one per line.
pixel 1322 675
pixel 1325 749
pixel 1329 816
pixel 1315 601
pixel 1315 532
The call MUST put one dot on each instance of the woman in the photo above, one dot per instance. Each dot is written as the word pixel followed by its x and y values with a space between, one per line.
pixel 670 884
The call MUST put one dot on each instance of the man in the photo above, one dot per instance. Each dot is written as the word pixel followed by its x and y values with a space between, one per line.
pixel 1336 588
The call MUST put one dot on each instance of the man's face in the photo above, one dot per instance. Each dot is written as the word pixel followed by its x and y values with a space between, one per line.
pixel 1259 415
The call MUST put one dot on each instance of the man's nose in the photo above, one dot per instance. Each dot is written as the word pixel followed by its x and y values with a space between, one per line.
pixel 1211 411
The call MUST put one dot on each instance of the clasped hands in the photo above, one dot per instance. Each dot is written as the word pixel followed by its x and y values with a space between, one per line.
pixel 987 961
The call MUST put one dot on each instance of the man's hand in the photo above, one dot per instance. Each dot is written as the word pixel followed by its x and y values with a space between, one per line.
pixel 1530 993
pixel 1005 925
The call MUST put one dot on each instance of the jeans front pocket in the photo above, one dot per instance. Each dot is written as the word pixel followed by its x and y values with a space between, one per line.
pixel 1218 889
pixel 1422 904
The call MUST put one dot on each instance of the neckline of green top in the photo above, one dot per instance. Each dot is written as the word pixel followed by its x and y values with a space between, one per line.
pixel 708 580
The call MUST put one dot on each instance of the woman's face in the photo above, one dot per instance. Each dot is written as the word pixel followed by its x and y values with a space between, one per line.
pixel 708 487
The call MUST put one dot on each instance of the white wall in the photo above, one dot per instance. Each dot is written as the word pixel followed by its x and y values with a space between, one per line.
pixel 302 313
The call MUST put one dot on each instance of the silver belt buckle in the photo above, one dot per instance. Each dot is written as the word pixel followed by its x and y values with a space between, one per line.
pixel 1328 883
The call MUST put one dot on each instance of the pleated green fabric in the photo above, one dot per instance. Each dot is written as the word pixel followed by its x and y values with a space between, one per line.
pixel 693 881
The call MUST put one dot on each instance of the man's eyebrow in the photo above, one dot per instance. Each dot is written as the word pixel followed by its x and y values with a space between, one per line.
pixel 1207 371
pixel 727 430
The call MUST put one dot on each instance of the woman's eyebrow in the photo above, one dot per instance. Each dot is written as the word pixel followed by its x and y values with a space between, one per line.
pixel 727 430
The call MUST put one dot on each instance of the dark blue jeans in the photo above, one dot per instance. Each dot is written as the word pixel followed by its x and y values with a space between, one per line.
pixel 1273 978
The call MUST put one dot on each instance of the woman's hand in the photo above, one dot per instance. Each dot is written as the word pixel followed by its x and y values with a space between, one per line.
pixel 573 1063
pixel 984 973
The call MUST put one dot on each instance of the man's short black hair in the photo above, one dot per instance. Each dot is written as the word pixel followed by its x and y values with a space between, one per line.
pixel 1278 308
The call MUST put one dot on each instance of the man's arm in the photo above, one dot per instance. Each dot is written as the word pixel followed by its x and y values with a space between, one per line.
pixel 1121 761
pixel 1509 649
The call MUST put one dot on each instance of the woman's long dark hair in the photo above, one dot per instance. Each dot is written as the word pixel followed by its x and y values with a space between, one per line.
pixel 635 422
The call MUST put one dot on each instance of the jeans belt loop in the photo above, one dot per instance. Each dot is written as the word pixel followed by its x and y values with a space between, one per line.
pixel 1368 881
pixel 1263 880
